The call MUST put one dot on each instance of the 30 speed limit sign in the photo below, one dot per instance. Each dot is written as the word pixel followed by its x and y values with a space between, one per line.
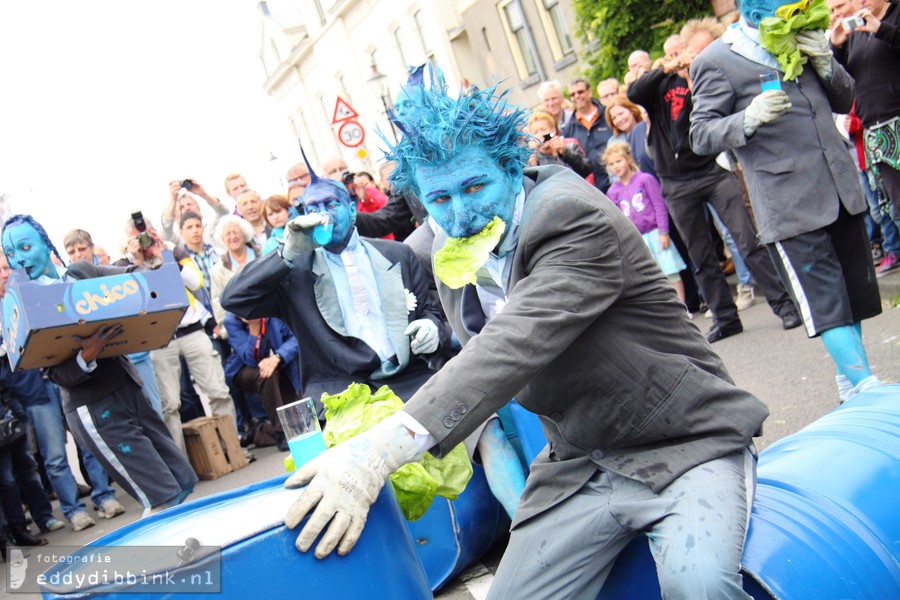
pixel 351 134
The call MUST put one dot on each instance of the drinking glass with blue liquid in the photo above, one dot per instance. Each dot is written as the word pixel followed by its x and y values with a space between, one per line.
pixel 770 81
pixel 322 233
pixel 302 430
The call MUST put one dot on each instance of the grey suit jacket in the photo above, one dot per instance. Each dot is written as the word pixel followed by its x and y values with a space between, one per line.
pixel 594 340
pixel 798 169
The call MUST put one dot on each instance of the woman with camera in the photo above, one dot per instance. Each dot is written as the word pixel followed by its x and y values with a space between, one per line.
pixel 867 44
pixel 550 148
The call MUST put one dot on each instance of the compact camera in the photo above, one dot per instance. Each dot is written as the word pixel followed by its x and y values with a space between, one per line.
pixel 851 23
pixel 187 184
pixel 141 225
pixel 347 177
pixel 548 137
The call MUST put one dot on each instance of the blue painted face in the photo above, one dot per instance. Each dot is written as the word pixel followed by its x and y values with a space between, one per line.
pixel 327 196
pixel 26 249
pixel 755 11
pixel 464 194
pixel 409 97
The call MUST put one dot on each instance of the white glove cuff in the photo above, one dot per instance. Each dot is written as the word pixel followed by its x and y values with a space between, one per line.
pixel 394 441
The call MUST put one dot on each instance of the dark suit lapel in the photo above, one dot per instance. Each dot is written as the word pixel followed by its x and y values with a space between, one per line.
pixel 326 295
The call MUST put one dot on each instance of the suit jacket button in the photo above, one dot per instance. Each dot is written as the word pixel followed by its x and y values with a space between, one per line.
pixel 557 417
pixel 454 414
pixel 597 455
pixel 462 408
pixel 448 423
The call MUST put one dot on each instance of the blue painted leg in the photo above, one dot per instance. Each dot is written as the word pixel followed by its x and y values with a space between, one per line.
pixel 502 467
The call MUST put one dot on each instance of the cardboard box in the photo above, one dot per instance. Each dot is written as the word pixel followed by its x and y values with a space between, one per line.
pixel 213 446
pixel 40 320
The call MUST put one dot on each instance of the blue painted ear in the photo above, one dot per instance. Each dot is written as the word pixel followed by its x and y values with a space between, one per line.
pixel 313 178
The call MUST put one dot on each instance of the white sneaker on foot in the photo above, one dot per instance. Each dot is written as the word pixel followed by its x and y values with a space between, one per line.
pixel 745 297
pixel 81 520
pixel 847 390
pixel 110 508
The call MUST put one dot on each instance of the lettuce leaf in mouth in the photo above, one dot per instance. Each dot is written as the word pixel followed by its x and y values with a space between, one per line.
pixel 459 260
pixel 357 409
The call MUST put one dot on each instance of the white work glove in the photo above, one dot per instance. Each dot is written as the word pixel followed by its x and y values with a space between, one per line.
pixel 765 108
pixel 424 335
pixel 298 235
pixel 344 481
pixel 814 44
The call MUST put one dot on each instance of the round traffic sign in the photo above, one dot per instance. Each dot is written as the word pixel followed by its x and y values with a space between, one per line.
pixel 351 134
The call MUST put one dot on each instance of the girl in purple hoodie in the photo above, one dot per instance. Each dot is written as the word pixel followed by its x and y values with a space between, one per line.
pixel 639 196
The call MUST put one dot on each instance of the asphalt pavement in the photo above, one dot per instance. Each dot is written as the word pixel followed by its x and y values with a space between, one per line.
pixel 791 373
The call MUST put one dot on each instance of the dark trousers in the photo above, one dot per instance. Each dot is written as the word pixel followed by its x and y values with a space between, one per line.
pixel 685 199
pixel 129 438
pixel 274 391
pixel 20 482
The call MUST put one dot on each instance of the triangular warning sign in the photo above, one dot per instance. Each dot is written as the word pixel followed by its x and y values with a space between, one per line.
pixel 342 112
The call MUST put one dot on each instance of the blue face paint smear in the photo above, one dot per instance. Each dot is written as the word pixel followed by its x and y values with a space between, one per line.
pixel 465 193
pixel 124 448
pixel 105 414
pixel 807 268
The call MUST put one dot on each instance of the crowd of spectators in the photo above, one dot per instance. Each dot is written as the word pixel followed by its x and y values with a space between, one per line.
pixel 637 141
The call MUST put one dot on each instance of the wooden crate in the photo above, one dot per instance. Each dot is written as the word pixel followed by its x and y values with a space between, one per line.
pixel 213 447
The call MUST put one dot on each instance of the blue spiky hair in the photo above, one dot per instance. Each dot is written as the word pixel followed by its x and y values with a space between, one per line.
pixel 28 219
pixel 440 126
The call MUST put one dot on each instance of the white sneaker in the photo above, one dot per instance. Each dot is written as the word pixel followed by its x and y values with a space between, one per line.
pixel 847 390
pixel 81 520
pixel 110 508
pixel 745 297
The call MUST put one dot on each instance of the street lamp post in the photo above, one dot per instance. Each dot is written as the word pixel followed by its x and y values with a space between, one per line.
pixel 378 83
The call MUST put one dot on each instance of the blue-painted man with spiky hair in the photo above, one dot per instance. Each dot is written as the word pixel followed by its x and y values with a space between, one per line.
pixel 647 433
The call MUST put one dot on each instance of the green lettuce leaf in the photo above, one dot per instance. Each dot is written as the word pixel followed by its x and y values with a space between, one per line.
pixel 457 262
pixel 778 34
pixel 357 409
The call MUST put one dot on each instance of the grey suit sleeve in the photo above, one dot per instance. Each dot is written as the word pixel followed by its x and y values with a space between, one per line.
pixel 840 89
pixel 85 270
pixel 573 275
pixel 252 293
pixel 715 127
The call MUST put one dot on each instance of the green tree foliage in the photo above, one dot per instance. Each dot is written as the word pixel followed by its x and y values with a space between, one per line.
pixel 611 29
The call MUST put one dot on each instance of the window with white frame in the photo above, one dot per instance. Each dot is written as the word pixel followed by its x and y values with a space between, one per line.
pixel 320 11
pixel 555 26
pixel 424 33
pixel 400 39
pixel 520 42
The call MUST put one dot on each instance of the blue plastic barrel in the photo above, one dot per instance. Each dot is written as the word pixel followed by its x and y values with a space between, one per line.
pixel 452 535
pixel 530 432
pixel 826 517
pixel 258 557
